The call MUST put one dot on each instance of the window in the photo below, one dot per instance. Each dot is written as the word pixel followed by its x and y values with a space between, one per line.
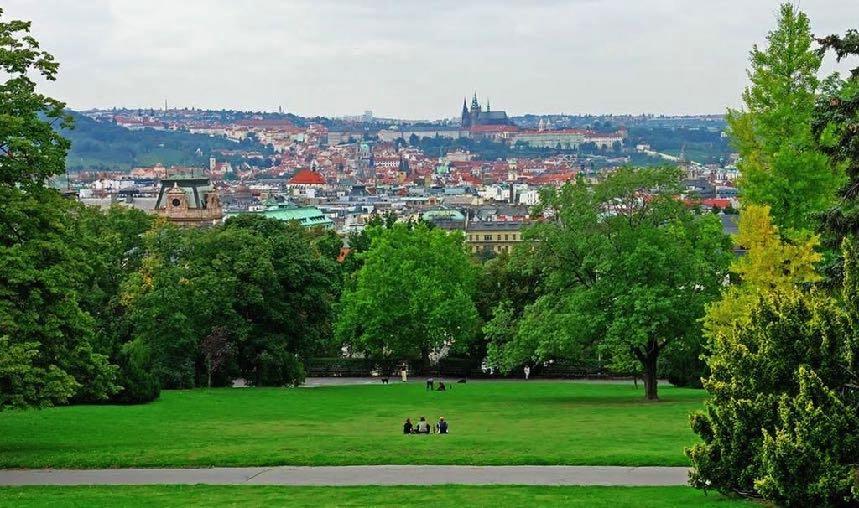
pixel 506 237
pixel 487 238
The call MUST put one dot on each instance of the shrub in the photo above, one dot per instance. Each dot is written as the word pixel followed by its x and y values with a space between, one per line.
pixel 139 384
pixel 279 367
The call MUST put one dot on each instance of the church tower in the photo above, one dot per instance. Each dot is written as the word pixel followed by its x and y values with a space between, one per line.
pixel 465 119
pixel 475 111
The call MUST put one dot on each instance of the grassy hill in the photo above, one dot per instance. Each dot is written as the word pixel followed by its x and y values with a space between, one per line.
pixel 491 423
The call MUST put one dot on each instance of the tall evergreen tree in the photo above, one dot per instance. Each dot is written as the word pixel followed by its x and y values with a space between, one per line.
pixel 779 163
pixel 836 127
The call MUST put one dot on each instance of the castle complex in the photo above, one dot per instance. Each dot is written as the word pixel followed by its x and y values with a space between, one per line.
pixel 477 116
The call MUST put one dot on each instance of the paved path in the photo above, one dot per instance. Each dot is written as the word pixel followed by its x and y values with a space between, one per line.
pixel 355 475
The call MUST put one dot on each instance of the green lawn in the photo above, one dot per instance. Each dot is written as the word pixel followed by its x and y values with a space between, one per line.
pixel 490 422
pixel 446 495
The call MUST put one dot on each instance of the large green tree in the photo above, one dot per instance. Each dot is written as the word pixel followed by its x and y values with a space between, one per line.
pixel 48 250
pixel 626 269
pixel 412 296
pixel 779 163
pixel 256 283
pixel 46 270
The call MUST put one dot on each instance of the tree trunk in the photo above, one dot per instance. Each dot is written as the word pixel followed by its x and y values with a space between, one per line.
pixel 209 372
pixel 648 357
pixel 649 377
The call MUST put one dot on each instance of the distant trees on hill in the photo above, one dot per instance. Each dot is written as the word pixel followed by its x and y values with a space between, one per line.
pixel 104 145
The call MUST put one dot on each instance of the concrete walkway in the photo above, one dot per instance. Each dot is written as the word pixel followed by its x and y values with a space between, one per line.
pixel 355 475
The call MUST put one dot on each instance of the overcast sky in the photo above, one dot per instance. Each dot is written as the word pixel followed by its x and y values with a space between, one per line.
pixel 410 58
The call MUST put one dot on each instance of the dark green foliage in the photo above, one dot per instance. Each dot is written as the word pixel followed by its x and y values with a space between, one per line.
pixel 260 280
pixel 749 374
pixel 46 276
pixel 278 367
pixel 138 383
pixel 784 413
pixel 508 281
pixel 836 126
pixel 810 459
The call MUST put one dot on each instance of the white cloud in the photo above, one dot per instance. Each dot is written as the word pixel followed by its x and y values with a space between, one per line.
pixel 412 59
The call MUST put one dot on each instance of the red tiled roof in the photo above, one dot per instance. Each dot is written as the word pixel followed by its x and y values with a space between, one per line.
pixel 307 177
pixel 553 178
pixel 716 202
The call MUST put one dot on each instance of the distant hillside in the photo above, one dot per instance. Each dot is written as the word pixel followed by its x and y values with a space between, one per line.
pixel 704 145
pixel 103 145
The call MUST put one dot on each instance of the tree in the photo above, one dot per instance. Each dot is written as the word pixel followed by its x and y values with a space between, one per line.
pixel 24 384
pixel 836 127
pixel 626 271
pixel 46 271
pixel 261 279
pixel 412 296
pixel 779 162
pixel 505 286
pixel 782 354
pixel 216 349
pixel 32 149
pixel 810 457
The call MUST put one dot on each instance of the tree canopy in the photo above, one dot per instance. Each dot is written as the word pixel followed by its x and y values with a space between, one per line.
pixel 258 281
pixel 413 295
pixel 779 163
pixel 32 149
pixel 626 269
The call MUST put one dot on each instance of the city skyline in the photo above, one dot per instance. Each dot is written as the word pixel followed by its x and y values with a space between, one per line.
pixel 413 61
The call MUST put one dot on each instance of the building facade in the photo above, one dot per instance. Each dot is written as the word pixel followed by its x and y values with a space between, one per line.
pixel 484 237
pixel 189 200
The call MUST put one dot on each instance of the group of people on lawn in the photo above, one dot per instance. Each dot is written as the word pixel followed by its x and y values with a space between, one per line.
pixel 423 426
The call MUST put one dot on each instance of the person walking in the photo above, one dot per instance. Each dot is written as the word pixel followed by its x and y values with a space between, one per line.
pixel 527 371
pixel 430 384
pixel 404 373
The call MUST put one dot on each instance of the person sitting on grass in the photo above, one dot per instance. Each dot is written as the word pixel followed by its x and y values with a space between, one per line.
pixel 441 427
pixel 408 427
pixel 423 426
pixel 441 387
